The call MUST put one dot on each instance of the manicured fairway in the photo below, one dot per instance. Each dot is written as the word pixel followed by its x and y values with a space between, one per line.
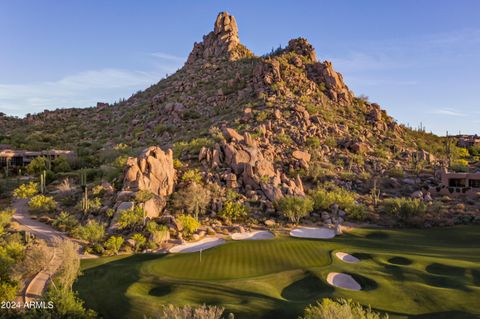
pixel 409 273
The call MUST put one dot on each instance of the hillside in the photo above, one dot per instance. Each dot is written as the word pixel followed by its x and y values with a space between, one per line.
pixel 267 126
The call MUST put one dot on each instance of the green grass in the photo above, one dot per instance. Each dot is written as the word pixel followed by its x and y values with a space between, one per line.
pixel 408 273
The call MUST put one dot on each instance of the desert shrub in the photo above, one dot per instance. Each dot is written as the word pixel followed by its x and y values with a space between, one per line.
pixel 460 165
pixel 357 212
pixel 192 147
pixel 42 204
pixel 283 138
pixel 232 211
pixel 131 218
pixel 37 165
pixel 65 222
pixel 323 199
pixel 177 164
pixel 93 232
pixel 120 162
pixel 216 134
pixel 188 224
pixel 25 190
pixel 143 196
pixel 340 309
pixel 404 208
pixel 189 312
pixel 66 186
pixel 113 244
pixel 139 240
pixel 396 172
pixel 313 142
pixel 194 199
pixel 61 164
pixel 5 218
pixel 295 208
pixel 192 175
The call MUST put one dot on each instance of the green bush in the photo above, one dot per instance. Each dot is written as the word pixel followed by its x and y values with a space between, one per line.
pixel 340 309
pixel 233 211
pixel 192 175
pixel 37 165
pixel 93 232
pixel 324 199
pixel 65 222
pixel 143 196
pixel 139 240
pixel 295 208
pixel 404 208
pixel 188 224
pixel 61 164
pixel 113 244
pixel 25 190
pixel 131 218
pixel 42 204
pixel 5 218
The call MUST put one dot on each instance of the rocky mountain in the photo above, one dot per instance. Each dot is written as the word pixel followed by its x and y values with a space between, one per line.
pixel 269 123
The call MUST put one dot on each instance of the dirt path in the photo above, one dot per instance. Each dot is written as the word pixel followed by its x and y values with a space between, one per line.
pixel 37 285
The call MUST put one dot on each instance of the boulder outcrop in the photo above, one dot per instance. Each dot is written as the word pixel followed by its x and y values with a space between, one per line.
pixel 152 171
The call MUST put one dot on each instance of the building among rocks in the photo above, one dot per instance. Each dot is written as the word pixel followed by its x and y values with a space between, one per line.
pixel 459 183
pixel 18 158
pixel 468 141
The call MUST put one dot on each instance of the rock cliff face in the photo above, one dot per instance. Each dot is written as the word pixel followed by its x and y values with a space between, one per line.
pixel 152 171
pixel 221 43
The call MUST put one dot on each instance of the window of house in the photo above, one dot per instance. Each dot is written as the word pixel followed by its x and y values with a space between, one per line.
pixel 457 182
pixel 474 183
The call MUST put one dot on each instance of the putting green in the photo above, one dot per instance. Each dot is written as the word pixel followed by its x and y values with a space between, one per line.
pixel 409 273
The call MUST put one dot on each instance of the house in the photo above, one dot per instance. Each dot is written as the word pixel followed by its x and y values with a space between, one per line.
pixel 468 141
pixel 459 183
pixel 18 158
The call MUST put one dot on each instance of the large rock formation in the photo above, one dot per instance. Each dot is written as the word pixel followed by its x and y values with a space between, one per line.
pixel 152 171
pixel 221 43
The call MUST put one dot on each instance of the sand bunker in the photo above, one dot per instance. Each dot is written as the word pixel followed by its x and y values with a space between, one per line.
pixel 203 244
pixel 253 235
pixel 347 258
pixel 313 232
pixel 343 281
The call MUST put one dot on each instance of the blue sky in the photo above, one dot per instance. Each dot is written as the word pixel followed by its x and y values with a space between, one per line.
pixel 418 59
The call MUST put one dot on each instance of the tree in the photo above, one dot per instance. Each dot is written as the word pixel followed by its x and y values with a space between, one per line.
pixel 25 190
pixel 340 309
pixel 194 199
pixel 139 240
pixel 113 244
pixel 294 208
pixel 37 165
pixel 70 268
pixel 37 257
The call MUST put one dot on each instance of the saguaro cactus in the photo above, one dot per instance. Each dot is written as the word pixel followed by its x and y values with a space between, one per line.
pixel 83 183
pixel 43 177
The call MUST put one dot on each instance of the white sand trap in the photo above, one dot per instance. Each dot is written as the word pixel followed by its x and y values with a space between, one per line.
pixel 313 232
pixel 253 235
pixel 203 244
pixel 347 258
pixel 343 281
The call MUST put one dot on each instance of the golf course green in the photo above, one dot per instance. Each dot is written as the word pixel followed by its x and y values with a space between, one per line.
pixel 408 273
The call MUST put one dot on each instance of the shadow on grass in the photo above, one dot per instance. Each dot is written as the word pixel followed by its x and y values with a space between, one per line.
pixel 306 289
pixel 446 270
pixel 400 261
pixel 476 277
pixel 445 315
pixel 366 283
pixel 111 281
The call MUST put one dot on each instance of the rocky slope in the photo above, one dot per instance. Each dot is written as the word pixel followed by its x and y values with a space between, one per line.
pixel 267 126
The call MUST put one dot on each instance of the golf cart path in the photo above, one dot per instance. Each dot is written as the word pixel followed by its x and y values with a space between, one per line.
pixel 35 288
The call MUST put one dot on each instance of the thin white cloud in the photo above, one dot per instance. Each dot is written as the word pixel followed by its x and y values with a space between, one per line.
pixel 449 112
pixel 166 56
pixel 83 88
